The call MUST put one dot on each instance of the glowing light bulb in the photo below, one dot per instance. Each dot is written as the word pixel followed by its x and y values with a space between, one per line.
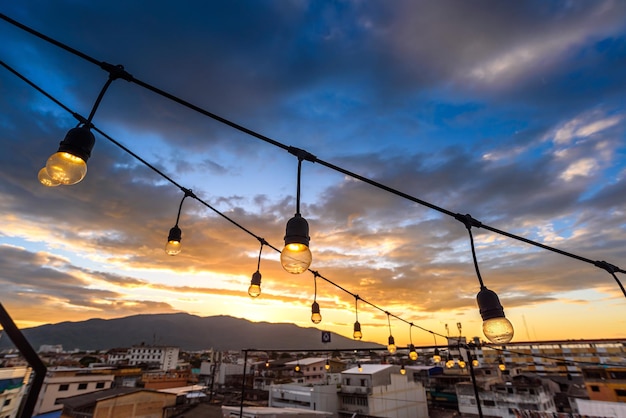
pixel 412 353
pixel 357 334
pixel 296 256
pixel 65 168
pixel 327 365
pixel 436 356
pixel 462 363
pixel 391 346
pixel 498 330
pixel 255 285
pixel 402 370
pixel 45 179
pixel 173 245
pixel 316 317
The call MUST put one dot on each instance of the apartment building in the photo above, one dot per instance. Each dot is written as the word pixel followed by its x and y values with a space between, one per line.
pixel 523 393
pixel 157 357
pixel 63 382
pixel 381 390
pixel 309 397
pixel 13 382
pixel 605 383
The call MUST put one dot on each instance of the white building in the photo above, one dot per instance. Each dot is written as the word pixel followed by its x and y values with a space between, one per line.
pixel 381 390
pixel 13 382
pixel 63 383
pixel 310 397
pixel 523 393
pixel 161 357
pixel 263 412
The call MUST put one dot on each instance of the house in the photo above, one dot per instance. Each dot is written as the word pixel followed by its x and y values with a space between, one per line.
pixel 308 397
pixel 119 402
pixel 66 382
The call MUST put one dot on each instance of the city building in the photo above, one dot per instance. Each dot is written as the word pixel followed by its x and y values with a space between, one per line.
pixel 381 390
pixel 312 370
pixel 266 412
pixel 13 382
pixel 159 357
pixel 605 383
pixel 119 402
pixel 310 397
pixel 524 393
pixel 62 383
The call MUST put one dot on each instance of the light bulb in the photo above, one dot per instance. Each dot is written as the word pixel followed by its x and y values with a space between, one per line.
pixel 255 285
pixel 498 330
pixel 327 365
pixel 173 245
pixel 402 370
pixel 450 363
pixel 436 356
pixel 360 367
pixel 296 256
pixel 391 347
pixel 412 353
pixel 502 366
pixel 316 317
pixel 475 363
pixel 297 368
pixel 65 168
pixel 496 327
pixel 45 179
pixel 462 363
pixel 69 164
pixel 357 334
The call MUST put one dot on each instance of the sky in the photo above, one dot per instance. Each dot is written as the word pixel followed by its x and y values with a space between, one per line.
pixel 512 112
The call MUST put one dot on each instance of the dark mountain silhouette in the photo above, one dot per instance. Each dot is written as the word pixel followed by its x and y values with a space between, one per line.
pixel 189 332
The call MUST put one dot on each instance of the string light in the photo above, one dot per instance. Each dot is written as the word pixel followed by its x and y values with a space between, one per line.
pixel 68 165
pixel 436 356
pixel 359 367
pixel 391 346
pixel 316 317
pixel 255 284
pixel 496 327
pixel 501 365
pixel 296 256
pixel 174 238
pixel 402 370
pixel 474 361
pixel 412 353
pixel 327 365
pixel 182 102
pixel 357 334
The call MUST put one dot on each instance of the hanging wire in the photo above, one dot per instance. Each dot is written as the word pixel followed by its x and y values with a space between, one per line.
pixel 121 73
pixel 302 155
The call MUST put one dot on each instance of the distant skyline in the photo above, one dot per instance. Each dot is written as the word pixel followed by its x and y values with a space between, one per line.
pixel 513 113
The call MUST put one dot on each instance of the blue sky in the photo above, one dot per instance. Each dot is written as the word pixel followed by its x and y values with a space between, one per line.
pixel 511 112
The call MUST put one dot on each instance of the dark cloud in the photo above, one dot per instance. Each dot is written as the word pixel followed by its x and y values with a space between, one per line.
pixel 511 113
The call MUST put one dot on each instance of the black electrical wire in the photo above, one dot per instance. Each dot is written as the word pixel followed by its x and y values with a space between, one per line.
pixel 119 72
pixel 189 193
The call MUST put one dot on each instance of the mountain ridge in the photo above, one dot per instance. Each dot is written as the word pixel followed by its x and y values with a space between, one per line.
pixel 187 331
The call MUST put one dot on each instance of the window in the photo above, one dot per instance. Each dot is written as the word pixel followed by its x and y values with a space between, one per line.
pixel 595 388
pixel 489 402
pixel 7 401
pixel 82 386
pixel 348 382
pixel 99 385
pixel 362 382
pixel 620 392
pixel 63 388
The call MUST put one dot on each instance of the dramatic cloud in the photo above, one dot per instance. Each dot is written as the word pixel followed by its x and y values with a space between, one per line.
pixel 512 113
